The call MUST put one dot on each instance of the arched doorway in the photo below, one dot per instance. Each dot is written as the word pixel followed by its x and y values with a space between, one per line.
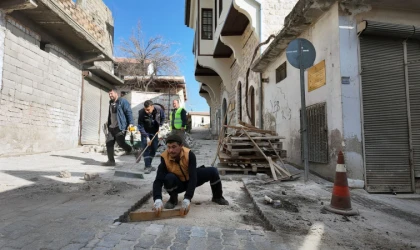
pixel 251 103
pixel 224 110
pixel 239 94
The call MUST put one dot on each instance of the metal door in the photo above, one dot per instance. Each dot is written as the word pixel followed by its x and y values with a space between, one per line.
pixel 413 56
pixel 385 115
pixel 91 114
pixel 104 114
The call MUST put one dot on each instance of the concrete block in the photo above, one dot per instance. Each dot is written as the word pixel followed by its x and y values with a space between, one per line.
pixel 27 89
pixel 26 82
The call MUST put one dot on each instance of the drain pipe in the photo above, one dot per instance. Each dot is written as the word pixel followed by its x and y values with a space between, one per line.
pixel 261 102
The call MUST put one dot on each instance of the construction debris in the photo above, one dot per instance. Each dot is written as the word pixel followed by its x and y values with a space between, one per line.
pixel 250 149
pixel 64 174
pixel 90 176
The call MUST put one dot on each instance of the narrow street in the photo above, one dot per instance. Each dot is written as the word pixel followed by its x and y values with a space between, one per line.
pixel 43 211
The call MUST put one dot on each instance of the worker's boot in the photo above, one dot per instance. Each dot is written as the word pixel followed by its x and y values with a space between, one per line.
pixel 217 191
pixel 173 201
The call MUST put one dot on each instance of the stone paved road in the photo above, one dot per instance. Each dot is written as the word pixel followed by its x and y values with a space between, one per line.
pixel 157 236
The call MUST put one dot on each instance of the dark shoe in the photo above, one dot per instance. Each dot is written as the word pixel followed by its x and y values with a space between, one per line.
pixel 109 164
pixel 151 168
pixel 147 170
pixel 220 201
pixel 171 203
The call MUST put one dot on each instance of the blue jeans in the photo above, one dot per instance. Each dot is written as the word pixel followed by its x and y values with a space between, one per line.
pixel 151 150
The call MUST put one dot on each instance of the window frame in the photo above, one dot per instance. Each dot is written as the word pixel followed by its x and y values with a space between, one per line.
pixel 207 25
pixel 278 71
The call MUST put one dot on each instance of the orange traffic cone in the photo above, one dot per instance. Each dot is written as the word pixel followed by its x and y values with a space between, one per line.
pixel 340 200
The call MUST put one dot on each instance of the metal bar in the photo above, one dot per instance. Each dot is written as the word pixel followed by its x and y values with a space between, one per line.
pixel 410 135
pixel 303 111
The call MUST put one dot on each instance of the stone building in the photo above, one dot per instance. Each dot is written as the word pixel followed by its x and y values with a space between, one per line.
pixel 362 93
pixel 162 91
pixel 56 67
pixel 226 35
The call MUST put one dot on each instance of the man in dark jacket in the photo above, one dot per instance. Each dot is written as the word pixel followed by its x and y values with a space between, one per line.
pixel 178 173
pixel 151 118
pixel 120 119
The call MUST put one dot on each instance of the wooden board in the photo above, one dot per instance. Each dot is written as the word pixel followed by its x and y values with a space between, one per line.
pixel 225 157
pixel 257 138
pixel 245 171
pixel 150 215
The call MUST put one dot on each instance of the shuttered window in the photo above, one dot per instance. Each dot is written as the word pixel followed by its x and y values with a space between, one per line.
pixel 207 24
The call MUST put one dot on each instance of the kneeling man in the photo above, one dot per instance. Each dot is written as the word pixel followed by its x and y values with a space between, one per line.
pixel 178 172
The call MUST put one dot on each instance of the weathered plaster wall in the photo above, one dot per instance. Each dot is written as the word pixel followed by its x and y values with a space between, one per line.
pixel 40 95
pixel 2 37
pixel 273 14
pixel 282 100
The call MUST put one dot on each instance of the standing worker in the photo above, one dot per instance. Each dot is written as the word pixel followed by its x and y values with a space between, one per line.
pixel 178 173
pixel 151 118
pixel 179 121
pixel 120 119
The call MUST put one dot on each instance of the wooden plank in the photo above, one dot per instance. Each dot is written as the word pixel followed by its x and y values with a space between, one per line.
pixel 150 215
pixel 253 129
pixel 251 144
pixel 279 158
pixel 238 159
pixel 258 138
pixel 273 171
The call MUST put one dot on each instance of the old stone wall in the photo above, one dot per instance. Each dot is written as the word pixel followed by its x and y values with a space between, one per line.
pixel 40 95
pixel 238 71
pixel 99 16
pixel 2 37
pixel 273 14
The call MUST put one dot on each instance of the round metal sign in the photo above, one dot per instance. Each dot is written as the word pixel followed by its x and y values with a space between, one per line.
pixel 307 50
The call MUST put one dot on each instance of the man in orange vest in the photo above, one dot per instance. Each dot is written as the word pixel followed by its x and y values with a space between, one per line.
pixel 178 173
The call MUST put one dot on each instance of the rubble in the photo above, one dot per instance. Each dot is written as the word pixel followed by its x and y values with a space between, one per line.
pixel 64 174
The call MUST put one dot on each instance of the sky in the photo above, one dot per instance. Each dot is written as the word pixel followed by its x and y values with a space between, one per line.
pixel 164 18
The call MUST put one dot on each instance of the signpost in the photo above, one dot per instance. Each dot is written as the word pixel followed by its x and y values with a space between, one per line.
pixel 301 54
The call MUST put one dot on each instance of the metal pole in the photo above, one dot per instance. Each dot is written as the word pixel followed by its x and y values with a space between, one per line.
pixel 303 112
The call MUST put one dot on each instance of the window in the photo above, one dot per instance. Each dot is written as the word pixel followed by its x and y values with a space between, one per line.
pixel 202 119
pixel 317 133
pixel 220 7
pixel 281 72
pixel 215 15
pixel 207 24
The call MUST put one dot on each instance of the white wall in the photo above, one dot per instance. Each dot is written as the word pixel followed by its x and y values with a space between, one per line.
pixel 2 37
pixel 282 100
pixel 196 120
pixel 206 46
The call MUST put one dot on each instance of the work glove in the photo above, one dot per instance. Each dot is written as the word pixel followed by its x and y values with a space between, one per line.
pixel 131 128
pixel 157 207
pixel 185 208
pixel 149 142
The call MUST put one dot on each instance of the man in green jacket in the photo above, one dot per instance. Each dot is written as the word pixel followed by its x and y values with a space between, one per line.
pixel 178 118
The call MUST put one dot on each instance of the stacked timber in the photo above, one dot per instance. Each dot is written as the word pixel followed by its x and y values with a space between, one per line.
pixel 249 149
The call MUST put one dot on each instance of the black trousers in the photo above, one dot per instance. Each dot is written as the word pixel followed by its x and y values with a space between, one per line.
pixel 174 185
pixel 115 135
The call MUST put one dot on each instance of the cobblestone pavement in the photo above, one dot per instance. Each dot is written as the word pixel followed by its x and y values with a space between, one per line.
pixel 157 236
pixel 41 211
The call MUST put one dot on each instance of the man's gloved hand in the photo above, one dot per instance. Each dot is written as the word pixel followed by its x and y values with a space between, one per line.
pixel 157 207
pixel 149 142
pixel 185 208
pixel 131 128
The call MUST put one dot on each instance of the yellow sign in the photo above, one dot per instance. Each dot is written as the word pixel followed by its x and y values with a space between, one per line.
pixel 317 76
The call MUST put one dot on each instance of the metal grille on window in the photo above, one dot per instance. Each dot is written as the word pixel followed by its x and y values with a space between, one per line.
pixel 317 133
pixel 207 24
